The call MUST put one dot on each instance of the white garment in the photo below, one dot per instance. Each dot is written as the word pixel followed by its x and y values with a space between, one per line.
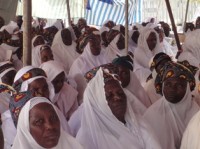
pixel 131 44
pixel 170 120
pixel 112 50
pixel 191 135
pixel 36 56
pixel 168 49
pixel 5 55
pixel 24 139
pixel 85 62
pixel 100 129
pixel 66 99
pixel 63 53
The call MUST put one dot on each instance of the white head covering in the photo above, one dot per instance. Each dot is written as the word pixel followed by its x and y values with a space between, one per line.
pixel 6 70
pixel 169 120
pixel 24 139
pixel 191 135
pixel 63 53
pixel 100 129
pixel 10 28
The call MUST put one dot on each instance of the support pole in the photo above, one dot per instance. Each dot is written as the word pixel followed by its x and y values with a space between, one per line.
pixel 186 14
pixel 126 26
pixel 27 19
pixel 68 13
pixel 174 28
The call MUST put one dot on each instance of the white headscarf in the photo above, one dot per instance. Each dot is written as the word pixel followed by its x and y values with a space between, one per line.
pixel 112 50
pixel 36 56
pixel 64 53
pixel 66 99
pixel 10 28
pixel 24 139
pixel 169 120
pixel 191 135
pixel 100 129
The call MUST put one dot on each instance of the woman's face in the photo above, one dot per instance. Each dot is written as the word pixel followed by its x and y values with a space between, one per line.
pixel 8 78
pixel 174 89
pixel 121 42
pixel 44 125
pixel 39 87
pixel 66 37
pixel 46 55
pixel 38 41
pixel 58 82
pixel 152 41
pixel 116 99
pixel 135 36
pixel 124 75
pixel 95 46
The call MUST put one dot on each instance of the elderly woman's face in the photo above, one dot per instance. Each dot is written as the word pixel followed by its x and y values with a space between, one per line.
pixel 38 41
pixel 44 125
pixel 116 99
pixel 66 37
pixel 40 87
pixel 174 89
pixel 124 75
pixel 95 45
pixel 152 41
pixel 58 82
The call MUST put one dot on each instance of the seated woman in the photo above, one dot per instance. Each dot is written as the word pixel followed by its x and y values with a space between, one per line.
pixel 65 95
pixel 129 80
pixel 170 115
pixel 39 127
pixel 108 121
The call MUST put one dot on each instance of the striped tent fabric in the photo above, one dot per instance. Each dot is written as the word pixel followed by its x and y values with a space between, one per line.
pixel 99 11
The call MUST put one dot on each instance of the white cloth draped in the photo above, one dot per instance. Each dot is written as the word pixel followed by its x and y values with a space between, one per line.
pixel 64 53
pixel 100 129
pixel 24 139
pixel 170 120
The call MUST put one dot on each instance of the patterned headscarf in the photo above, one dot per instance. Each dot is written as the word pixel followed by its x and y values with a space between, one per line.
pixel 125 61
pixel 106 67
pixel 179 70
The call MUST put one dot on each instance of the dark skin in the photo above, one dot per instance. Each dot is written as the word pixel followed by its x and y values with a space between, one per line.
pixel 58 82
pixel 197 24
pixel 1 139
pixel 66 37
pixel 95 45
pixel 110 24
pixel 121 42
pixel 46 55
pixel 38 41
pixel 39 87
pixel 152 41
pixel 124 75
pixel 8 78
pixel 2 22
pixel 44 125
pixel 135 36
pixel 81 23
pixel 174 89
pixel 116 99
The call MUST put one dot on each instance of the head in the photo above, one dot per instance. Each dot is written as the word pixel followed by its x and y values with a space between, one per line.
pixel 95 44
pixel 81 23
pixel 58 82
pixel 39 87
pixel 121 42
pixel 66 37
pixel 38 41
pixel 135 36
pixel 197 24
pixel 7 73
pixel 2 22
pixel 8 78
pixel 116 99
pixel 19 21
pixel 152 41
pixel 44 125
pixel 110 24
pixel 46 54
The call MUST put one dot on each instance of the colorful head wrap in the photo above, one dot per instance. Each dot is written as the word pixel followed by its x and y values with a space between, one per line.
pixel 125 61
pixel 158 58
pixel 178 70
pixel 17 101
pixel 108 67
pixel 28 75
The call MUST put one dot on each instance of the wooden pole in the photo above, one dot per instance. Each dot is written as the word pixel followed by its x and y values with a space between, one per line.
pixel 126 26
pixel 27 19
pixel 174 28
pixel 68 13
pixel 186 14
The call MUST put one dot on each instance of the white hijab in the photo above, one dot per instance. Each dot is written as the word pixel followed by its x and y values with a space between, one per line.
pixel 100 129
pixel 112 50
pixel 36 56
pixel 66 99
pixel 64 53
pixel 24 139
pixel 170 120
